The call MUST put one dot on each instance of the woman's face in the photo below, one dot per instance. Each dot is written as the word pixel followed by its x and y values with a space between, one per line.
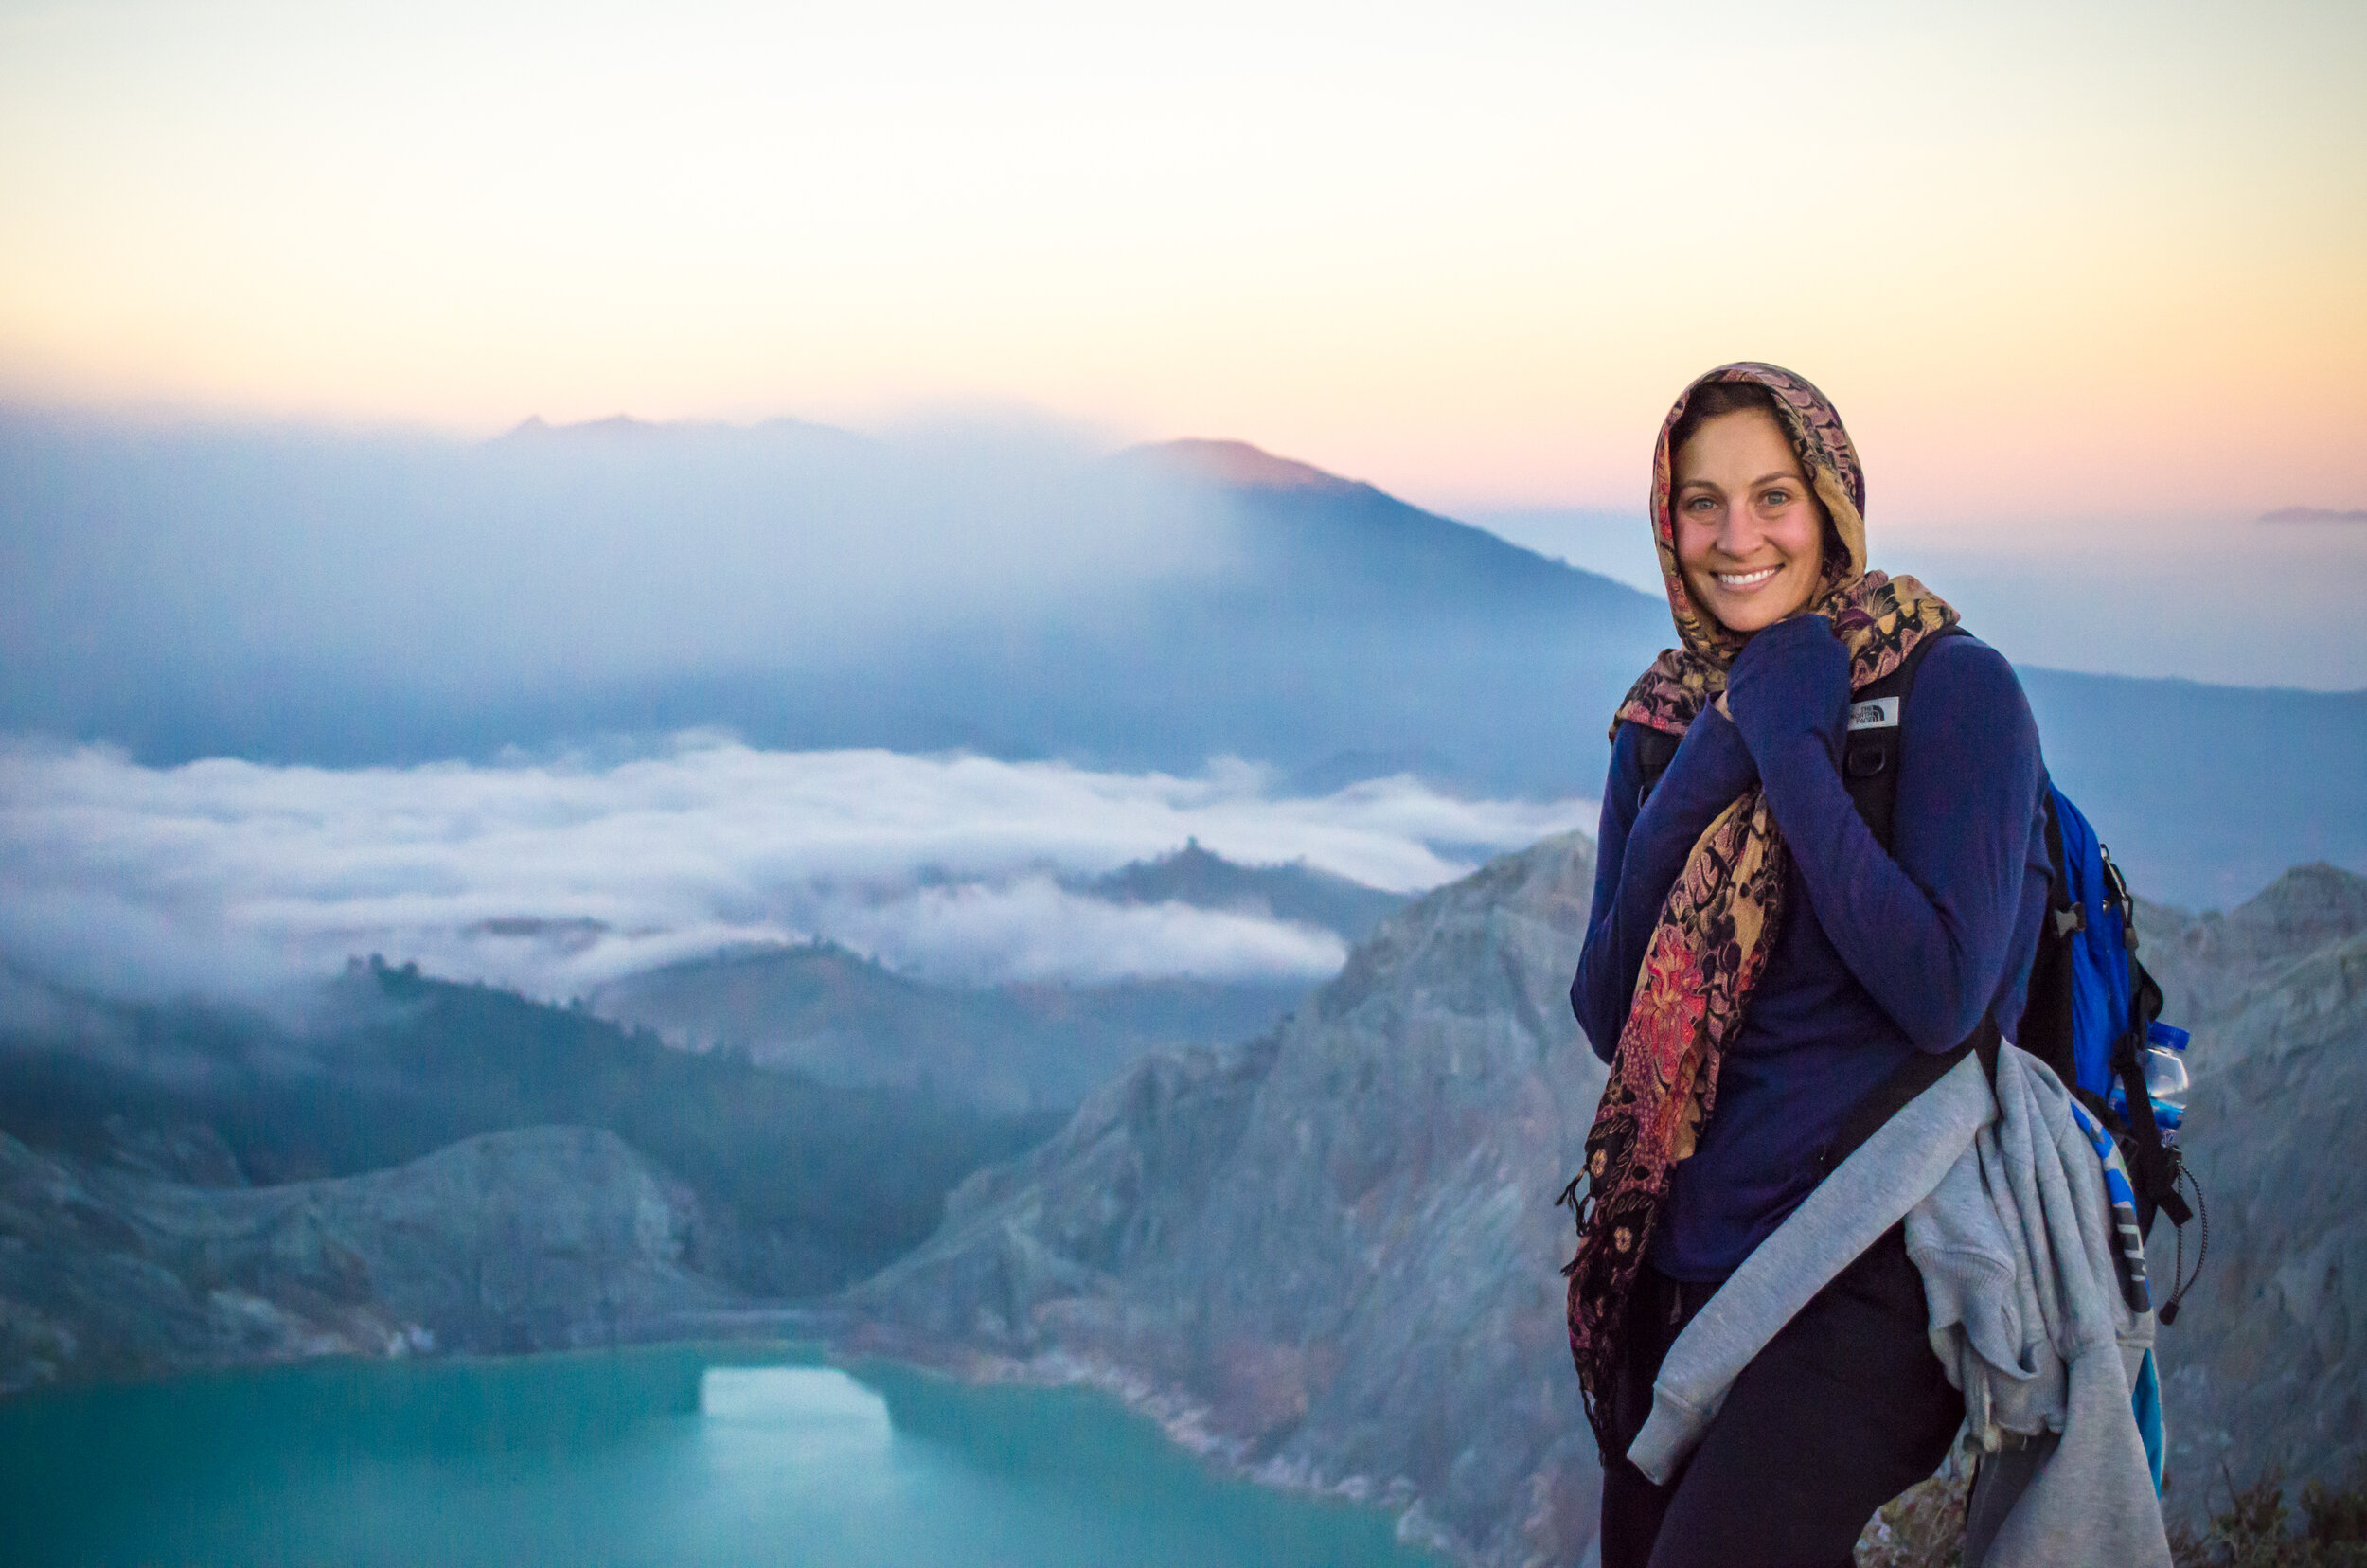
pixel 1750 531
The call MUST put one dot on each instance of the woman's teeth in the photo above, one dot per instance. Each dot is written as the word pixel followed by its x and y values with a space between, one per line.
pixel 1744 579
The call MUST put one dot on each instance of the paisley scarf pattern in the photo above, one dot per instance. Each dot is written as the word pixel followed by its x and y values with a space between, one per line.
pixel 1720 919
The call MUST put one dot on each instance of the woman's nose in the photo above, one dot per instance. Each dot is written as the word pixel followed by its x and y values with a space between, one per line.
pixel 1738 532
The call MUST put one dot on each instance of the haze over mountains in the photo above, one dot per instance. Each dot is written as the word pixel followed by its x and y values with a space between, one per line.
pixel 362 600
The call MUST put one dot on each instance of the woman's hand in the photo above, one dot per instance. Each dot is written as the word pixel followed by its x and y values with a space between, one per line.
pixel 1789 682
pixel 1712 763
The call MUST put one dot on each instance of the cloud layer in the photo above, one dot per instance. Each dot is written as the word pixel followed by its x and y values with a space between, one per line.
pixel 230 875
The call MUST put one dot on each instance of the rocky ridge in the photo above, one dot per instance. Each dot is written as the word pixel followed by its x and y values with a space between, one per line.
pixel 2264 1367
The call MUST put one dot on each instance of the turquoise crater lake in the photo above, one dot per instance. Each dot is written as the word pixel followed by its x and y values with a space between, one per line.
pixel 672 1456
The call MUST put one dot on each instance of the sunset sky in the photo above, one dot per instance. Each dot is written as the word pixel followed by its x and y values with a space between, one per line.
pixel 2090 262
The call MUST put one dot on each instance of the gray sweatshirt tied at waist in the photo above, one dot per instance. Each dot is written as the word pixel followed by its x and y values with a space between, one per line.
pixel 2007 1219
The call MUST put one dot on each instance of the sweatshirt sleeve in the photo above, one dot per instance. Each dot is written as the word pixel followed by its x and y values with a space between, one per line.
pixel 1926 932
pixel 1638 853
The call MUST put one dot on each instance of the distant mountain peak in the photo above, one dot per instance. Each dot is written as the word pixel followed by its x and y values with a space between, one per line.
pixel 1295 891
pixel 2316 900
pixel 1239 463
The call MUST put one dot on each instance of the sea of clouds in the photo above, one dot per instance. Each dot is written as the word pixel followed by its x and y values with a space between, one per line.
pixel 229 876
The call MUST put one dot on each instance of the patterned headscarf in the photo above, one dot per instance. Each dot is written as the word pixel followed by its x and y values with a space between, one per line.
pixel 1721 917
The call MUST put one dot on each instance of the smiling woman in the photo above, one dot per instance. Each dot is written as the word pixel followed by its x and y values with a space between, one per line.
pixel 1761 961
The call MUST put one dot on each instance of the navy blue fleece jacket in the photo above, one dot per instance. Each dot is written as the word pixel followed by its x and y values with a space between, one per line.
pixel 1880 955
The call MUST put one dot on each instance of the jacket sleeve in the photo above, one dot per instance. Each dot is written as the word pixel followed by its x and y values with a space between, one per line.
pixel 1637 856
pixel 1926 932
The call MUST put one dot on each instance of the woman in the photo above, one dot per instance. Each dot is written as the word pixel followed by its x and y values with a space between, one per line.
pixel 1757 964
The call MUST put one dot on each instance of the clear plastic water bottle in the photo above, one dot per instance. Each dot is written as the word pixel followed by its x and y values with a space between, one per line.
pixel 2166 1072
pixel 2166 1079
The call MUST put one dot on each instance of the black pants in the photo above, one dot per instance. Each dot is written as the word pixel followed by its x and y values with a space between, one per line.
pixel 1844 1410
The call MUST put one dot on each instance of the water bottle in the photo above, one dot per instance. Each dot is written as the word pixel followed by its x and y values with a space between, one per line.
pixel 2165 1074
pixel 2166 1081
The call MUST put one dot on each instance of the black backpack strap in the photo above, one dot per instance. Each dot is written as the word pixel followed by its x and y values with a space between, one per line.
pixel 1870 756
pixel 2045 1029
pixel 2152 1163
pixel 2063 915
pixel 1877 738
pixel 1654 750
pixel 1912 1078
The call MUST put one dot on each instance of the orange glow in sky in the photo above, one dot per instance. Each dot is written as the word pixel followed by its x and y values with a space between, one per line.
pixel 2051 261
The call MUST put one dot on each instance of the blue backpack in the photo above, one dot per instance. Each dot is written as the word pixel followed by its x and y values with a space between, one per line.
pixel 2094 1017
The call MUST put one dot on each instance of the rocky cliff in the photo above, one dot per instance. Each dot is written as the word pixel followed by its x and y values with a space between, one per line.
pixel 2267 1363
pixel 1329 1255
pixel 541 1239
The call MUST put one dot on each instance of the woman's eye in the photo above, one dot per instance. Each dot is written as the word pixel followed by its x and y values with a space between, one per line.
pixel 1777 498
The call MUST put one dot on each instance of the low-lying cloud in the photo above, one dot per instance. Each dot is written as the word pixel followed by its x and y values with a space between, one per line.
pixel 226 876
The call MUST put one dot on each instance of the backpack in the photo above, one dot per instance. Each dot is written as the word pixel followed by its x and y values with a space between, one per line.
pixel 2091 1013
